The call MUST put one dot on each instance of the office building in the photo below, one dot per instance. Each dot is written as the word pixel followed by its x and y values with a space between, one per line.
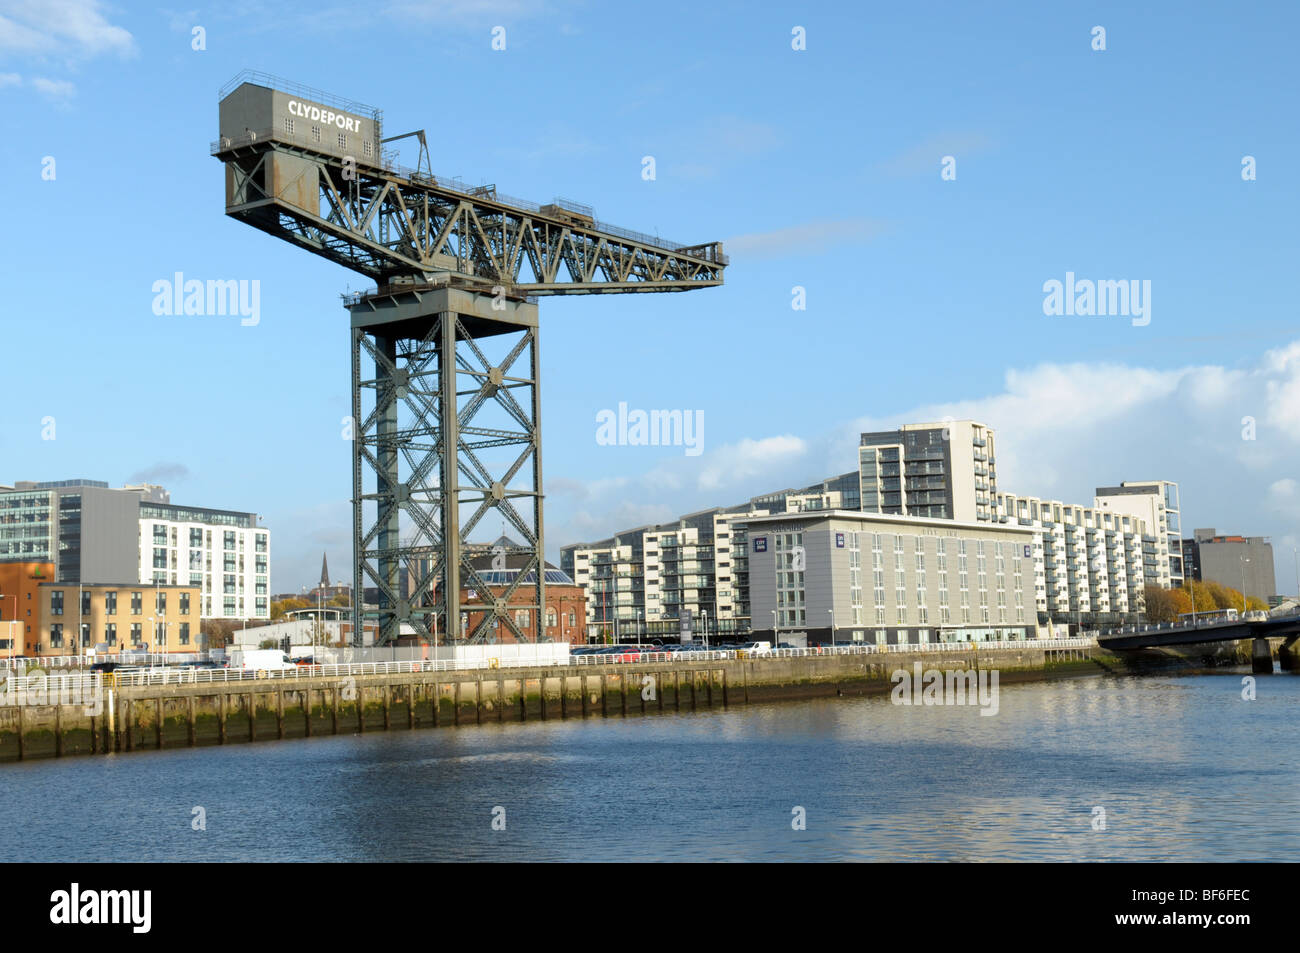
pixel 1244 563
pixel 1156 503
pixel 133 534
pixel 864 577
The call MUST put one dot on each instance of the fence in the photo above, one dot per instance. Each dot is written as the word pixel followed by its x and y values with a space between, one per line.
pixel 198 676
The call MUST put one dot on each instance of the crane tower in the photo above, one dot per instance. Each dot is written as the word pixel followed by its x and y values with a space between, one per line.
pixel 446 402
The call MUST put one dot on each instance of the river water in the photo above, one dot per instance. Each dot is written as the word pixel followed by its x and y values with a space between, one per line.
pixel 1183 767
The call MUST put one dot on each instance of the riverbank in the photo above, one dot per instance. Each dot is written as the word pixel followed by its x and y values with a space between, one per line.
pixel 127 718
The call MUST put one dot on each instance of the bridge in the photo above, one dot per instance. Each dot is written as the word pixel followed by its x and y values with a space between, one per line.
pixel 1170 634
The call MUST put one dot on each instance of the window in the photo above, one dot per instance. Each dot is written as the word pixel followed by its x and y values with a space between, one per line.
pixel 56 636
pixel 160 601
pixel 85 635
pixel 135 633
pixel 110 633
pixel 551 619
pixel 521 619
pixel 160 633
pixel 137 603
pixel 343 140
pixel 56 602
pixel 365 148
pixel 85 603
pixel 185 603
pixel 315 133
pixel 185 633
pixel 110 603
pixel 288 126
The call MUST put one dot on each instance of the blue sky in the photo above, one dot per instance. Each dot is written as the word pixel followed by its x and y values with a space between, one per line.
pixel 819 168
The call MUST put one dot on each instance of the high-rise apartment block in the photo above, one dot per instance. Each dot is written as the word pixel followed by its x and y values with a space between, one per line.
pixel 1090 564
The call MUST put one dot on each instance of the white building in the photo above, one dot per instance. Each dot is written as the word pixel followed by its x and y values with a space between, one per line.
pixel 1156 503
pixel 1090 565
pixel 224 552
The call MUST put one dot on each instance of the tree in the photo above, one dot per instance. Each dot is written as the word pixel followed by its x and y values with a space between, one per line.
pixel 1180 601
pixel 1205 601
pixel 340 600
pixel 269 644
pixel 1160 604
pixel 220 632
pixel 278 609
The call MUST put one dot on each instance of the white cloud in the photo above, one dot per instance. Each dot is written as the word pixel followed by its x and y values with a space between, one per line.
pixel 925 158
pixel 1061 431
pixel 807 239
pixel 57 89
pixel 71 29
pixel 735 463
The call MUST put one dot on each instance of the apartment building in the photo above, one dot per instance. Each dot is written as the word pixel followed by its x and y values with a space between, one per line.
pixel 1156 503
pixel 940 470
pixel 1091 566
pixel 899 580
pixel 133 534
pixel 223 553
pixel 113 618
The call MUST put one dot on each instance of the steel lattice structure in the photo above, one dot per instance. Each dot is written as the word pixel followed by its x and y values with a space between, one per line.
pixel 451 332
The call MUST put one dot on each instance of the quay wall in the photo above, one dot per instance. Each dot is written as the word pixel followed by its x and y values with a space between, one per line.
pixel 130 718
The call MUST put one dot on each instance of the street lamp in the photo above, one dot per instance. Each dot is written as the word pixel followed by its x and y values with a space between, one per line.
pixel 704 613
pixel 832 612
pixel 775 630
pixel 1244 560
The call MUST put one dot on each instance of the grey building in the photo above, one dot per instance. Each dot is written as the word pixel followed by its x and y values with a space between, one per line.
pixel 89 531
pixel 862 577
pixel 942 470
pixel 1244 563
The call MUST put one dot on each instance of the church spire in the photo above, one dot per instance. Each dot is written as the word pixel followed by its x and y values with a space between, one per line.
pixel 324 572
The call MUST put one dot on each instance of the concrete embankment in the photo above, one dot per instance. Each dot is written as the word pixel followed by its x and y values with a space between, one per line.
pixel 121 718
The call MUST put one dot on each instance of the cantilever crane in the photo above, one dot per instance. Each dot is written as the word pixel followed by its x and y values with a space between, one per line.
pixel 454 265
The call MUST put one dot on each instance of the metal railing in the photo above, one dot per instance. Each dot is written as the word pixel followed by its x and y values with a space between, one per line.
pixel 707 251
pixel 198 676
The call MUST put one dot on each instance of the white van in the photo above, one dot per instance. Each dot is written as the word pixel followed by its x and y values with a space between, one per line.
pixel 262 660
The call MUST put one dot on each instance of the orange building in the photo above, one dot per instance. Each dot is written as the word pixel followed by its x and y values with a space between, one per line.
pixel 20 606
pixel 131 616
